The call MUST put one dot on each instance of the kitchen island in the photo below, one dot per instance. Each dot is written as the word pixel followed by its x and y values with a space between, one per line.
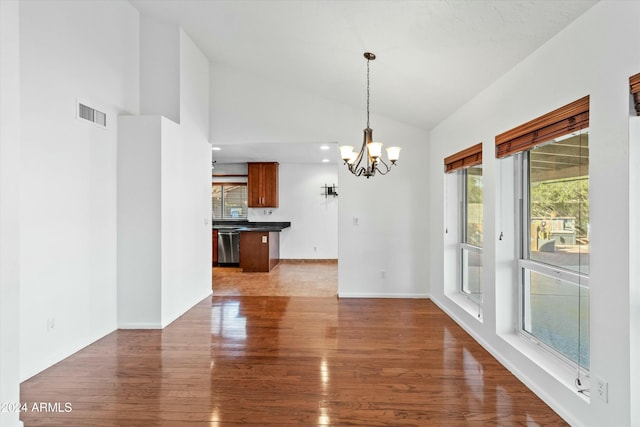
pixel 254 246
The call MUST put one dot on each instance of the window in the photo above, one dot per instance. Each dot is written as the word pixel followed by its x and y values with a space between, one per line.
pixel 554 258
pixel 471 242
pixel 552 154
pixel 467 164
pixel 229 201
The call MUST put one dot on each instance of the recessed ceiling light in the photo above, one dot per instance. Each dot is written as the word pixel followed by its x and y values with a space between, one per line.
pixel 324 147
pixel 325 160
pixel 216 148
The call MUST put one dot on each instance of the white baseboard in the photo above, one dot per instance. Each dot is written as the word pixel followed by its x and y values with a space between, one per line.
pixel 385 295
pixel 141 325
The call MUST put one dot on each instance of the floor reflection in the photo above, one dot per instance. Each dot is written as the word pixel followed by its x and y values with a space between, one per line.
pixel 226 320
pixel 297 361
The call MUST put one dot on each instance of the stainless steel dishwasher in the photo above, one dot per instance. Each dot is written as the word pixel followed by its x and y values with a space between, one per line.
pixel 228 247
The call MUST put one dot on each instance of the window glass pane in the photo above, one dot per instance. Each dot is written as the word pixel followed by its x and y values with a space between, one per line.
pixel 473 198
pixel 216 201
pixel 471 234
pixel 229 201
pixel 559 203
pixel 472 274
pixel 235 201
pixel 556 312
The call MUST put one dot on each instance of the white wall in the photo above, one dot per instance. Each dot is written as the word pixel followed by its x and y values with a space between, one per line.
pixel 194 93
pixel 9 210
pixel 139 221
pixel 185 221
pixel 247 109
pixel 634 254
pixel 159 68
pixel 391 234
pixel 590 57
pixel 314 219
pixel 68 175
pixel 386 254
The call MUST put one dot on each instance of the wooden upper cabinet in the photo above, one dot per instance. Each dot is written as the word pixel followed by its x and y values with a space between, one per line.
pixel 263 185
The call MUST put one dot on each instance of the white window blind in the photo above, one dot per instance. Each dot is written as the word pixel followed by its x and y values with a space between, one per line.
pixel 229 201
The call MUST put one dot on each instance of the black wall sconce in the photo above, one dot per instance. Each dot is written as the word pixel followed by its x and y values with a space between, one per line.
pixel 331 190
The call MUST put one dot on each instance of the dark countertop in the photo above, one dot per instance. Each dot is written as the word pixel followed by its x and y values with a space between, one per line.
pixel 250 226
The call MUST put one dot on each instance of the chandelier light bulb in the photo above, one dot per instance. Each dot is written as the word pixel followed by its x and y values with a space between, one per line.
pixel 345 152
pixel 393 153
pixel 375 149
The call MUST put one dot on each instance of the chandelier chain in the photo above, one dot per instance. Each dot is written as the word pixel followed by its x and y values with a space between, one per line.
pixel 368 92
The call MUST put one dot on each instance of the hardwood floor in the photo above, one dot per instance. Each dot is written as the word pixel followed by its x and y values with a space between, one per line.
pixel 312 279
pixel 256 360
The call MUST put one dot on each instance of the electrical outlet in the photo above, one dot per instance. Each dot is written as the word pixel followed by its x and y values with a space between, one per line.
pixel 602 390
pixel 355 220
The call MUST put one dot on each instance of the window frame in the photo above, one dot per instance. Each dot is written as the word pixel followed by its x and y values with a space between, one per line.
pixel 464 247
pixel 525 264
pixel 222 185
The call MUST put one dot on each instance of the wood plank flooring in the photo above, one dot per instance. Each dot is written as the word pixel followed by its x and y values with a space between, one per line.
pixel 286 279
pixel 255 360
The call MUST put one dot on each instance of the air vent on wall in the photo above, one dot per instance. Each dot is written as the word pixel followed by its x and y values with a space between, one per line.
pixel 91 114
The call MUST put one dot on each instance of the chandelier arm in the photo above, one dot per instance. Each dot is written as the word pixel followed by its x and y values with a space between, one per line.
pixel 361 155
pixel 386 166
pixel 356 163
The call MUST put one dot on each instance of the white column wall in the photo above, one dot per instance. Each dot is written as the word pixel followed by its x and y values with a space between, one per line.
pixel 139 227
pixel 164 211
pixel 592 56
pixel 164 237
pixel 190 197
pixel 194 92
pixel 9 210
pixel 68 171
pixel 185 224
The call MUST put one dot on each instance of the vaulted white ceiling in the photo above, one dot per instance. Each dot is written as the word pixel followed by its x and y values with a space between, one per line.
pixel 432 56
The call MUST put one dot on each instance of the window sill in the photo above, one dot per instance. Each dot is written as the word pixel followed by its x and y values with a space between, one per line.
pixel 467 304
pixel 552 365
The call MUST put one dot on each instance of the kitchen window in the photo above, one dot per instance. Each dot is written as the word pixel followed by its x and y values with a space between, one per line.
pixel 229 201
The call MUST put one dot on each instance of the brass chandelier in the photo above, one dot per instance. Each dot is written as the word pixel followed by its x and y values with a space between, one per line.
pixel 369 160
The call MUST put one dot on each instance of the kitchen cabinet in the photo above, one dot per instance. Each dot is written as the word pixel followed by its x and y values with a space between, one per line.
pixel 262 185
pixel 259 250
pixel 214 244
